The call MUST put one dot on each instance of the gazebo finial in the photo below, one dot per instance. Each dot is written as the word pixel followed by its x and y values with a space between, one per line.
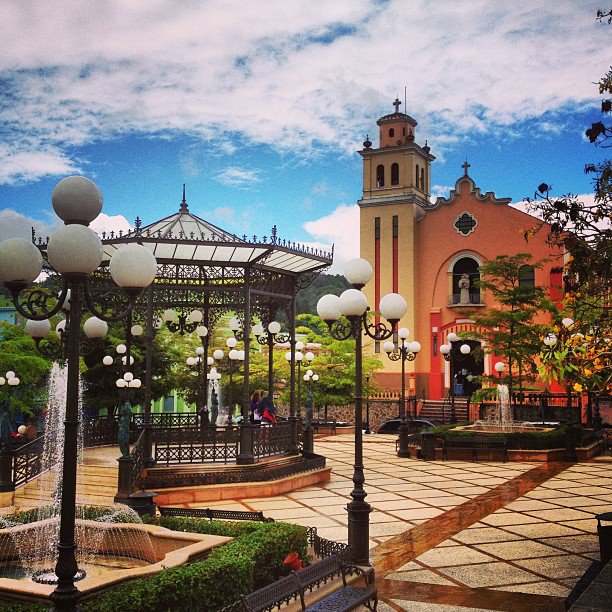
pixel 184 207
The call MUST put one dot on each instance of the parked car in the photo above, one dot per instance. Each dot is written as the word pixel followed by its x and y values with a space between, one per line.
pixel 391 426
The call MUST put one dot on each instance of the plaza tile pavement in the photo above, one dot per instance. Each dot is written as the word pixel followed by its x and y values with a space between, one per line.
pixel 518 536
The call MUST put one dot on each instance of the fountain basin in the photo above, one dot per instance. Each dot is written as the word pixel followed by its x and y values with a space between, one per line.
pixel 116 562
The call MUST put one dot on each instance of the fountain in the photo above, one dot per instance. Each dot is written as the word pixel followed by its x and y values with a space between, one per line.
pixel 499 418
pixel 112 542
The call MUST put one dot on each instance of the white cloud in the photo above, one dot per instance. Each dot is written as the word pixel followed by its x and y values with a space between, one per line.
pixel 224 213
pixel 340 228
pixel 440 191
pixel 300 76
pixel 238 177
pixel 16 225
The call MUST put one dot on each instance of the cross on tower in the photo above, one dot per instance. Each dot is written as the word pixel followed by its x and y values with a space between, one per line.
pixel 465 167
pixel 397 104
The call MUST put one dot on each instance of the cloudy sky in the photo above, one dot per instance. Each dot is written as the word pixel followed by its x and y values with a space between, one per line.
pixel 259 106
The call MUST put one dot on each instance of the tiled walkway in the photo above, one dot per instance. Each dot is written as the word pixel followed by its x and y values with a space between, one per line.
pixel 457 536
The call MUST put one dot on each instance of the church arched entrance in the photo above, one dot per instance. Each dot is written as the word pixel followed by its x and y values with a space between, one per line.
pixel 468 369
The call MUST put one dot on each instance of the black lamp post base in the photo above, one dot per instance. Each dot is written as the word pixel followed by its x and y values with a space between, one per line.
pixel 359 531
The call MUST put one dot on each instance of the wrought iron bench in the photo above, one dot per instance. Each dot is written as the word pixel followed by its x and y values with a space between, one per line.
pixel 297 584
pixel 475 444
pixel 208 513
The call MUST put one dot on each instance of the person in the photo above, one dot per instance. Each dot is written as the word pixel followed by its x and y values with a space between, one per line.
pixel 267 410
pixel 254 408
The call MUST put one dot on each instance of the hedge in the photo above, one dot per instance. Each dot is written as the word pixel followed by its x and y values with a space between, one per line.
pixel 254 559
pixel 526 440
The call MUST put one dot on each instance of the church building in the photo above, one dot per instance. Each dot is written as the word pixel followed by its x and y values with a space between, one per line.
pixel 430 252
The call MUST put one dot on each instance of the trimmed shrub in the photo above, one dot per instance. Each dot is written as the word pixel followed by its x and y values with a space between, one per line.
pixel 254 559
pixel 525 440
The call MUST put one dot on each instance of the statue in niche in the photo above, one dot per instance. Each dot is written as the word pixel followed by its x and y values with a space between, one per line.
pixel 125 419
pixel 214 406
pixel 5 424
pixel 464 288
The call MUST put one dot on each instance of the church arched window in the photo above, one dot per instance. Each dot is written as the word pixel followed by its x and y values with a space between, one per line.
pixel 391 132
pixel 395 174
pixel 380 176
pixel 526 276
pixel 470 267
pixel 422 179
pixel 416 182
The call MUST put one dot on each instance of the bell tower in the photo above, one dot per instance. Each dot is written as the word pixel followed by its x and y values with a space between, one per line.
pixel 396 191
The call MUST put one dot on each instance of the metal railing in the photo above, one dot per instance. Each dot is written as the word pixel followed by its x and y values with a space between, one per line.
pixel 165 420
pixel 100 431
pixel 27 461
pixel 271 439
pixel 139 458
pixel 194 445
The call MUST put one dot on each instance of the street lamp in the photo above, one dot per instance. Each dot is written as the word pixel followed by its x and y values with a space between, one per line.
pixel 454 353
pixel 405 351
pixel 367 391
pixel 310 378
pixel 270 336
pixel 299 358
pixel 500 367
pixel 353 305
pixel 234 357
pixel 74 252
pixel 198 361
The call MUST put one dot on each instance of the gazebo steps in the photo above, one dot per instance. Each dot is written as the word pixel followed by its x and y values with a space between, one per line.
pixel 441 410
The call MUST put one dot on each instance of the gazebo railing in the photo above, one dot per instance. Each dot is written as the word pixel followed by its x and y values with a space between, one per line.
pixel 271 439
pixel 193 445
pixel 165 420
pixel 139 460
pixel 100 431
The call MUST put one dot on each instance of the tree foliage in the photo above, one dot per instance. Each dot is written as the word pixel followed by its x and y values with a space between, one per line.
pixel 510 329
pixel 18 353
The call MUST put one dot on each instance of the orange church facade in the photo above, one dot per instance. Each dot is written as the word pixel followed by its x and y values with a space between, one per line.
pixel 422 250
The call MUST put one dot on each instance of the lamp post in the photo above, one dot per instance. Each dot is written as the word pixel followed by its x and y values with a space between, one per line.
pixel 550 341
pixel 234 357
pixel 308 434
pixel 405 351
pixel 367 391
pixel 352 305
pixel 198 361
pixel 126 379
pixel 269 337
pixel 453 353
pixel 299 358
pixel 74 252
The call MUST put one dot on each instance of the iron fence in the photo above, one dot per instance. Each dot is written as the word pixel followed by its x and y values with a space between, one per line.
pixel 273 439
pixel 27 461
pixel 139 457
pixel 194 445
pixel 100 431
pixel 164 420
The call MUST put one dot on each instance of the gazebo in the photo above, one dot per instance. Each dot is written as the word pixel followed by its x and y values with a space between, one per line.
pixel 201 266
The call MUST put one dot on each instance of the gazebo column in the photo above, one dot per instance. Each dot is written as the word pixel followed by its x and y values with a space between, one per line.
pixel 205 412
pixel 246 427
pixel 294 449
pixel 150 335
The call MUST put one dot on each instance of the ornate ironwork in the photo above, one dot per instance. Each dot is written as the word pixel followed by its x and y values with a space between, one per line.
pixel 175 445
pixel 100 431
pixel 27 461
pixel 272 439
pixel 140 459
pixel 165 420
pixel 210 514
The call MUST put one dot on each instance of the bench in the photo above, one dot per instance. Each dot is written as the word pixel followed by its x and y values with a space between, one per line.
pixel 297 584
pixel 208 513
pixel 477 444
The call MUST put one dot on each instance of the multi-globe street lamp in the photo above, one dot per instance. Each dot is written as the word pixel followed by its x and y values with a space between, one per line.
pixel 299 358
pixel 270 337
pixel 126 380
pixel 353 306
pixel 310 378
pixel 234 357
pixel 454 353
pixel 74 252
pixel 404 351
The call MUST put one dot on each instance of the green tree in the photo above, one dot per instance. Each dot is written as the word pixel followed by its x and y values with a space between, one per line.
pixel 100 390
pixel 18 353
pixel 509 329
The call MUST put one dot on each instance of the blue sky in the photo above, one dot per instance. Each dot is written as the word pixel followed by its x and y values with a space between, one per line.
pixel 259 106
